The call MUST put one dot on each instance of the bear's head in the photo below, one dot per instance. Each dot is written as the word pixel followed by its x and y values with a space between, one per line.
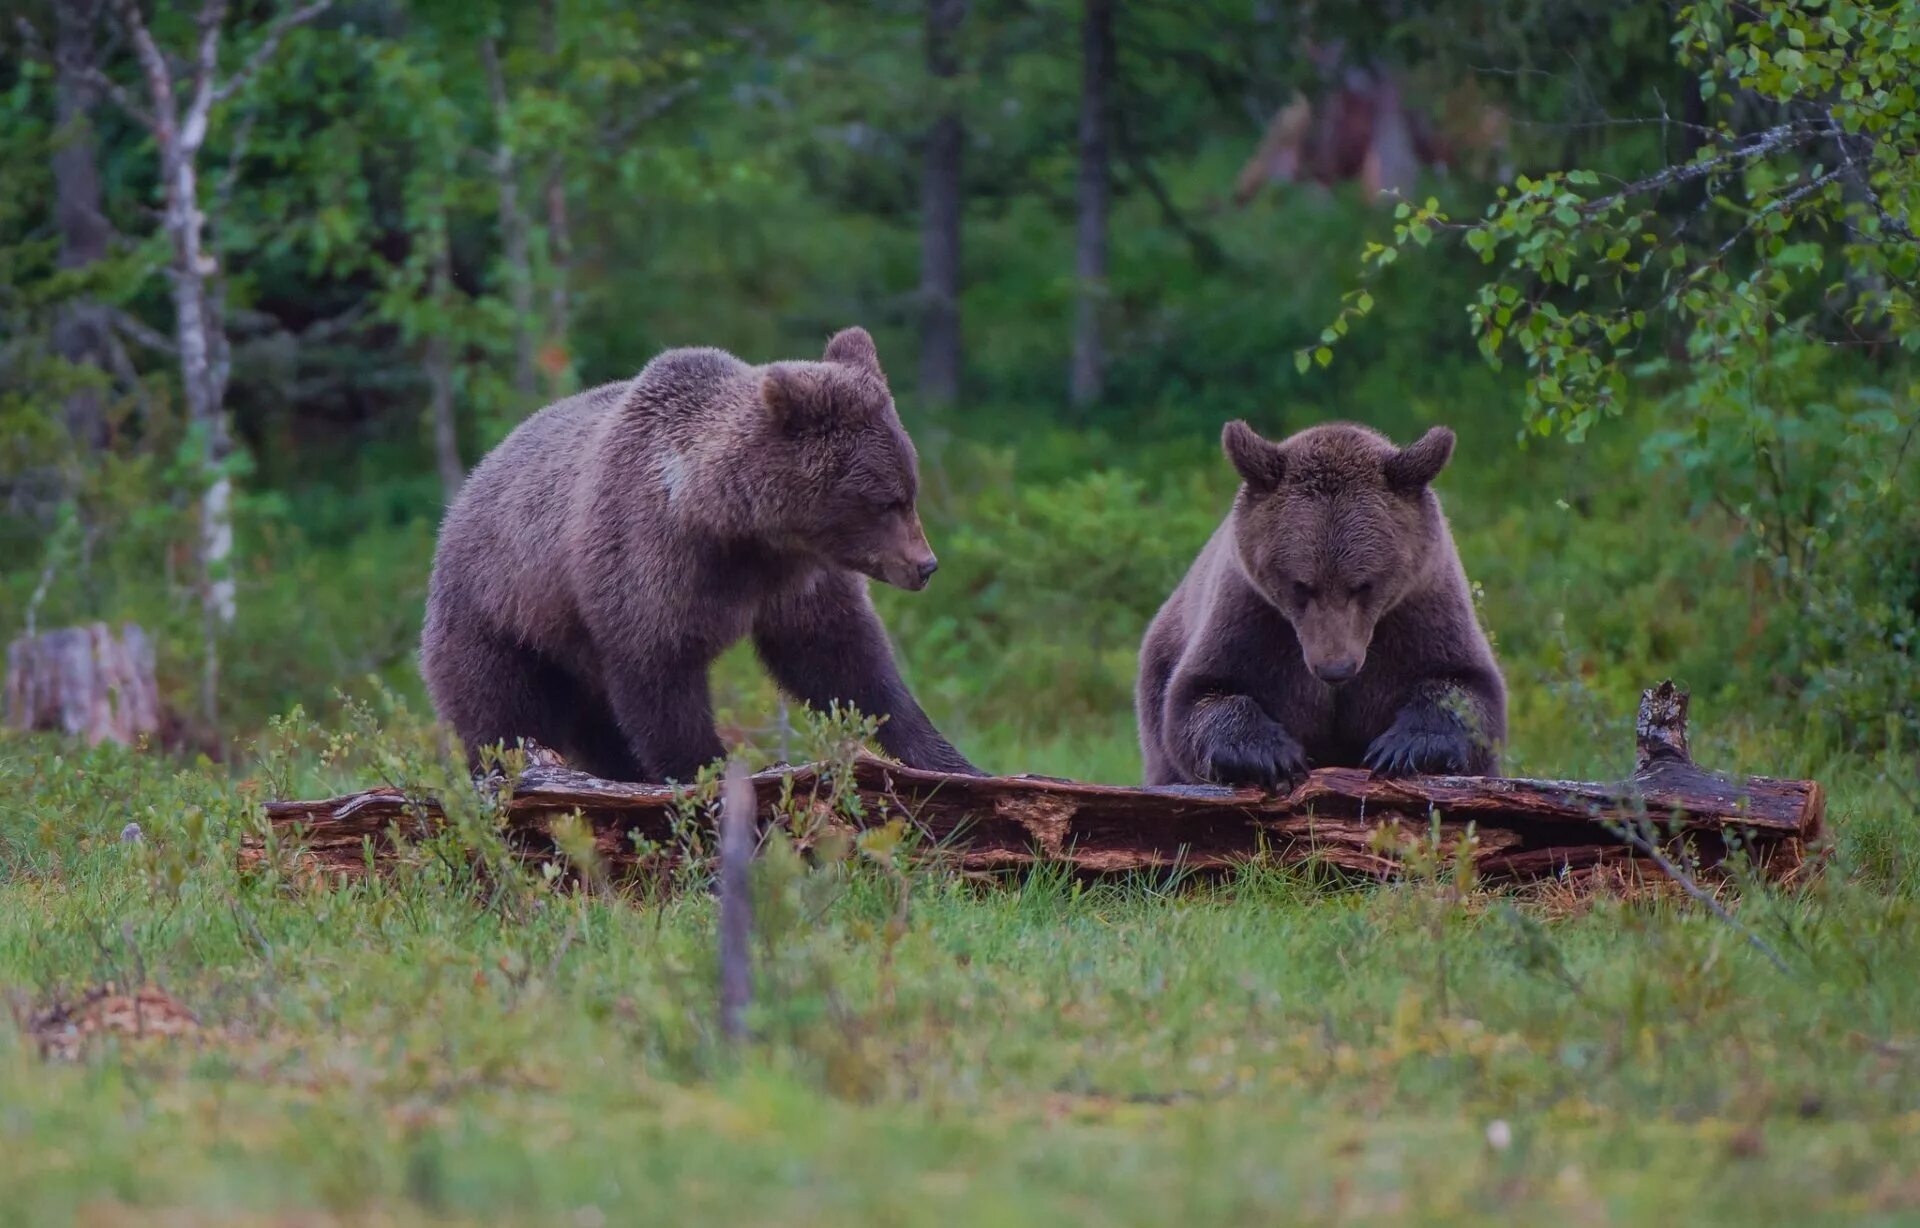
pixel 848 473
pixel 1335 526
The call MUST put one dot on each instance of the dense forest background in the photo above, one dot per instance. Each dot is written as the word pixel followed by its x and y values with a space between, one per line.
pixel 272 276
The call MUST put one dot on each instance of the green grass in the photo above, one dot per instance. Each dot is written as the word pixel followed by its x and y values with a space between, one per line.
pixel 1270 1048
pixel 1264 1049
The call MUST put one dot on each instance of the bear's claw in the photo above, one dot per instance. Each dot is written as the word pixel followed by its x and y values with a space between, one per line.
pixel 1421 743
pixel 1274 763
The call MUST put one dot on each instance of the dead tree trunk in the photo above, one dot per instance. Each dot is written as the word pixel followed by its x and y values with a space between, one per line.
pixel 80 334
pixel 940 212
pixel 84 682
pixel 1344 818
pixel 514 243
pixel 559 357
pixel 439 364
pixel 559 306
pixel 1094 197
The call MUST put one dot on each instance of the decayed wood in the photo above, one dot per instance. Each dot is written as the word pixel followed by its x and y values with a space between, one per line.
pixel 86 682
pixel 1343 817
pixel 1660 731
pixel 737 831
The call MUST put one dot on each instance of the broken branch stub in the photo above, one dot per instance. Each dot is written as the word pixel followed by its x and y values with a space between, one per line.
pixel 1660 730
pixel 1512 828
pixel 738 834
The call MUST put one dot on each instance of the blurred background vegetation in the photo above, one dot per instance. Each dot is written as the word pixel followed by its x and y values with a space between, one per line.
pixel 1084 234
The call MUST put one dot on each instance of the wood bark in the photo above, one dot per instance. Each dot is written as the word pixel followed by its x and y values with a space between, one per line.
pixel 85 682
pixel 439 364
pixel 1094 196
pixel 1340 817
pixel 558 359
pixel 81 333
pixel 940 212
pixel 738 835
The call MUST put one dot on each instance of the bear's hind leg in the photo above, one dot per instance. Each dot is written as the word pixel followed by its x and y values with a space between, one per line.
pixel 494 692
pixel 598 747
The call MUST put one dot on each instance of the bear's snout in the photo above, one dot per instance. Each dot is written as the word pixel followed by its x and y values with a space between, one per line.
pixel 907 561
pixel 1336 672
pixel 910 572
pixel 1333 639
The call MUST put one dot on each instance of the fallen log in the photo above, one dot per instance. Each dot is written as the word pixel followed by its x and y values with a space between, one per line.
pixel 1341 817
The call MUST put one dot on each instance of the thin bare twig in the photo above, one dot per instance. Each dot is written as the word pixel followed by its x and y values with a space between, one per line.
pixel 89 73
pixel 46 582
pixel 140 334
pixel 1761 144
pixel 1634 834
pixel 268 45
pixel 242 133
pixel 193 129
pixel 162 119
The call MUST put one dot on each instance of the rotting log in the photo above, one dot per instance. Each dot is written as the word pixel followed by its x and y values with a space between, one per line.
pixel 1341 817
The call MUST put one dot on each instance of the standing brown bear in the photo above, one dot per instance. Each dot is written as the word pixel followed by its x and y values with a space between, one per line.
pixel 1327 623
pixel 613 545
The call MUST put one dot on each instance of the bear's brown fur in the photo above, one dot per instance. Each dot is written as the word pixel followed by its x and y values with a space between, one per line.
pixel 1327 623
pixel 613 545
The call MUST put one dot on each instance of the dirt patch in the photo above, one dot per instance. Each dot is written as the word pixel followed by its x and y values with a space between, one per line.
pixel 64 1029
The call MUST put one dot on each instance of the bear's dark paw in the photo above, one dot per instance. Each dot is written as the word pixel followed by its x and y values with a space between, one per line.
pixel 1421 743
pixel 1271 761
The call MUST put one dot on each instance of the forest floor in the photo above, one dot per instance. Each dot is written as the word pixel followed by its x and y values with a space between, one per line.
pixel 1268 1048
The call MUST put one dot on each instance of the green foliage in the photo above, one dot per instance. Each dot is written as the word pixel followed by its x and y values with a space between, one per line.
pixel 1733 311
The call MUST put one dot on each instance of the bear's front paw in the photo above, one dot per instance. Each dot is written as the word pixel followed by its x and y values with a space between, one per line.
pixel 1421 743
pixel 1272 761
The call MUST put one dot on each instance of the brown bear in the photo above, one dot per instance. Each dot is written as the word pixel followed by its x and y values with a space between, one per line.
pixel 616 542
pixel 1327 623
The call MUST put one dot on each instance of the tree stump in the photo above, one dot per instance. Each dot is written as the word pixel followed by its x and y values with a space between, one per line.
pixel 85 682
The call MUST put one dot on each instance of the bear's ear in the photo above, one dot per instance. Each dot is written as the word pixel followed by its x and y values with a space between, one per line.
pixel 1260 462
pixel 785 398
pixel 1417 464
pixel 854 346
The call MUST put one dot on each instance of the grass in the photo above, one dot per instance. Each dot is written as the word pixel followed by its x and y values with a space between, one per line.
pixel 1268 1048
pixel 1271 1048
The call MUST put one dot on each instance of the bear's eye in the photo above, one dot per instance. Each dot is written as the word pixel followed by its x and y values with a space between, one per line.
pixel 1302 592
pixel 1362 590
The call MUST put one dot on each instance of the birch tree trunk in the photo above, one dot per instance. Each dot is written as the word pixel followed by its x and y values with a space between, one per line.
pixel 199 303
pixel 514 227
pixel 940 207
pixel 1094 195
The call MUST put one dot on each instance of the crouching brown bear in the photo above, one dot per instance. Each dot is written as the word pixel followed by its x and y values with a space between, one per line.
pixel 613 545
pixel 1327 623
